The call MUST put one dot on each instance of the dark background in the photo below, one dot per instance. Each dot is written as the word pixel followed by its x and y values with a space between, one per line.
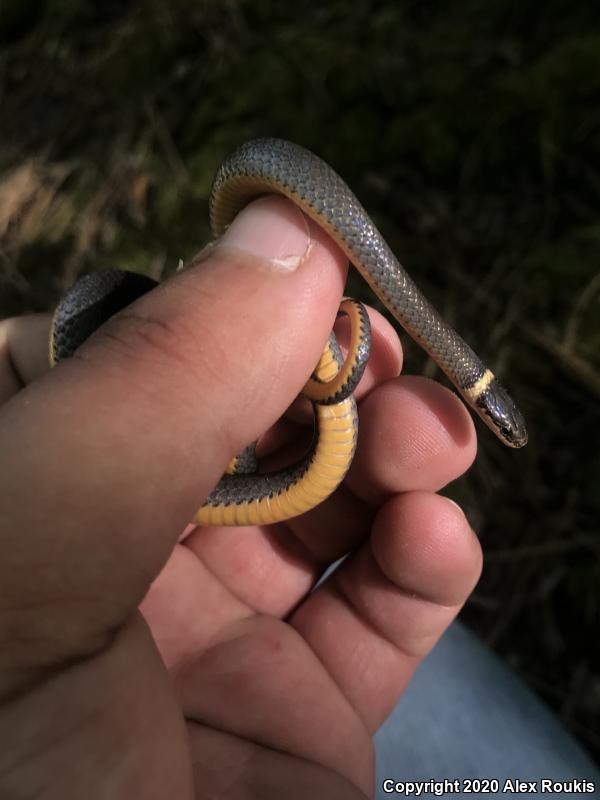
pixel 470 131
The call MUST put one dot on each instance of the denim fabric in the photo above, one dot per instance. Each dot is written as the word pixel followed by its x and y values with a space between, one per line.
pixel 467 715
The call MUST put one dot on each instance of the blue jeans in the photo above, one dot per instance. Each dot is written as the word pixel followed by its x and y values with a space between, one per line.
pixel 467 716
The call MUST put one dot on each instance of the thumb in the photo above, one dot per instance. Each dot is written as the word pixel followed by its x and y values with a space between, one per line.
pixel 106 458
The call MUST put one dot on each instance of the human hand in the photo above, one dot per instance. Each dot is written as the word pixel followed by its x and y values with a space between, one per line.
pixel 235 680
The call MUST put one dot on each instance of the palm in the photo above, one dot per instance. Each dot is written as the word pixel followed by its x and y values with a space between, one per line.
pixel 250 684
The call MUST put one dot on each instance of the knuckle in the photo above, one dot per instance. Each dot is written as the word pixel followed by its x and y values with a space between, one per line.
pixel 132 335
pixel 160 344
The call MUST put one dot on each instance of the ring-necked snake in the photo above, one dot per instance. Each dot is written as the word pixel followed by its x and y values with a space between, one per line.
pixel 245 496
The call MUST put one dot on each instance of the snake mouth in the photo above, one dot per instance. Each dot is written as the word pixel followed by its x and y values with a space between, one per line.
pixel 514 439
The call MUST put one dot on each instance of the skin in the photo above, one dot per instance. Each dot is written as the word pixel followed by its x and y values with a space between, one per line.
pixel 136 662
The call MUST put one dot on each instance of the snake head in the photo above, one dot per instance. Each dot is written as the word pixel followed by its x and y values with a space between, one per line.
pixel 500 413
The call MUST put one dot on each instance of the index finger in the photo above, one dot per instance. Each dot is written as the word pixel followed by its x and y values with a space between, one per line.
pixel 23 352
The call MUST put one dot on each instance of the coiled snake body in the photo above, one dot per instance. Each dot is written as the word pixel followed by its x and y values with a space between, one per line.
pixel 245 496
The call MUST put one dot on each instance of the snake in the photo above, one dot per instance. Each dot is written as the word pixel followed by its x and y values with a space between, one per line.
pixel 245 495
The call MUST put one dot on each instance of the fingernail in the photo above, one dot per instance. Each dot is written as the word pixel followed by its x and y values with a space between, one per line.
pixel 455 505
pixel 271 229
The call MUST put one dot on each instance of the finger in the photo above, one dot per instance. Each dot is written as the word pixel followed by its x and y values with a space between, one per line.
pixel 415 435
pixel 23 352
pixel 391 601
pixel 107 457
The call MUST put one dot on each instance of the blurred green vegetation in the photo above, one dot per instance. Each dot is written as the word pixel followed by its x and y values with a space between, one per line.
pixel 470 131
